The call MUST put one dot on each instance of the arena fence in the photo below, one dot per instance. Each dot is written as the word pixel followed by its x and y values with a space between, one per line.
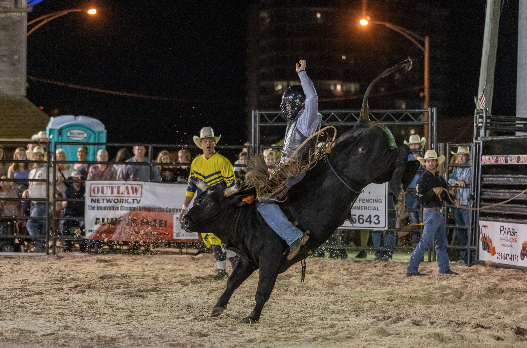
pixel 268 125
pixel 14 235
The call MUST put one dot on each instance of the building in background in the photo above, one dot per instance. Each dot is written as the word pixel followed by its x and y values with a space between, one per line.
pixel 343 58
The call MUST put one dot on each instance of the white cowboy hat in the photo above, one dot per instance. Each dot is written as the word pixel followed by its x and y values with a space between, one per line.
pixel 461 150
pixel 206 132
pixel 38 149
pixel 431 154
pixel 414 139
pixel 39 135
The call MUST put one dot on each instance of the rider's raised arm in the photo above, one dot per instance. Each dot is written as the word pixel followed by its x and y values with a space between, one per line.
pixel 308 121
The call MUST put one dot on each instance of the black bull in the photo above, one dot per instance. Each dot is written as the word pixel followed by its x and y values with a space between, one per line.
pixel 320 203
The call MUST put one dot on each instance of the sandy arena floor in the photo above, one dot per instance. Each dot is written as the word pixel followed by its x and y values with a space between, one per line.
pixel 165 301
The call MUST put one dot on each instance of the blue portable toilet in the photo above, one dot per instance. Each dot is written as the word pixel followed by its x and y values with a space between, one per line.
pixel 78 129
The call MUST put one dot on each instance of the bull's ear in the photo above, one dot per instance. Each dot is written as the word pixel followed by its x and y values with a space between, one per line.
pixel 241 200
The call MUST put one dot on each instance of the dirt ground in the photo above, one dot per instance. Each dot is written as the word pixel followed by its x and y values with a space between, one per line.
pixel 164 300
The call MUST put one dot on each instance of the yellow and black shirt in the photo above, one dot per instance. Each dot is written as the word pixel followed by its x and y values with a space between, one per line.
pixel 217 170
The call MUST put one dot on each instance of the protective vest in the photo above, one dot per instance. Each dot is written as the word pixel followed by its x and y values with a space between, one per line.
pixel 293 139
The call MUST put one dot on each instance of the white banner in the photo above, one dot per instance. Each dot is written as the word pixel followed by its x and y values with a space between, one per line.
pixel 504 243
pixel 135 211
pixel 370 210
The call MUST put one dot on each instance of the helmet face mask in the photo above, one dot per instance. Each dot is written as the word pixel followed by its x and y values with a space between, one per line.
pixel 293 102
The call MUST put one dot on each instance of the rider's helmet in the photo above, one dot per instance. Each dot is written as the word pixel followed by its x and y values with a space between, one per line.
pixel 292 102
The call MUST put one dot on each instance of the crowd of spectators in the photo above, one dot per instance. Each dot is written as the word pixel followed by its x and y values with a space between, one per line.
pixel 24 205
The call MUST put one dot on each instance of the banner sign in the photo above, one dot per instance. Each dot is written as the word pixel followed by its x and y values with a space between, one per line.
pixel 135 211
pixel 505 159
pixel 369 212
pixel 504 243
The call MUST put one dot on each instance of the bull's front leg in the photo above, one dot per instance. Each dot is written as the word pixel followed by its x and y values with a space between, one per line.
pixel 266 281
pixel 243 270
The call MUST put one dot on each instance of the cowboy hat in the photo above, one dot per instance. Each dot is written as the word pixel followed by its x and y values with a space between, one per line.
pixel 76 174
pixel 38 149
pixel 414 139
pixel 206 132
pixel 461 150
pixel 39 135
pixel 431 154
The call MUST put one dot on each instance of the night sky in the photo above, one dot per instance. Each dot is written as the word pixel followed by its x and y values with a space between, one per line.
pixel 193 53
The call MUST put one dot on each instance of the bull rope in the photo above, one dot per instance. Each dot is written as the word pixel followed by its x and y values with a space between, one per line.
pixel 487 206
pixel 258 174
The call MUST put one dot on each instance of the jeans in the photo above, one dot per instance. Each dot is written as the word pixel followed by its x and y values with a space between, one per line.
pixel 412 203
pixel 434 231
pixel 276 219
pixel 389 243
pixel 37 227
pixel 462 218
pixel 388 239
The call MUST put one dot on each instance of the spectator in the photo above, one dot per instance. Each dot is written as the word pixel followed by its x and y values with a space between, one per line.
pixel 167 173
pixel 242 160
pixel 82 155
pixel 140 172
pixel 73 209
pixel 123 155
pixel 7 208
pixel 460 178
pixel 387 241
pixel 415 143
pixel 431 191
pixel 183 172
pixel 63 170
pixel 245 149
pixel 4 167
pixel 214 170
pixel 37 190
pixel 102 171
pixel 42 140
pixel 19 171
pixel 271 158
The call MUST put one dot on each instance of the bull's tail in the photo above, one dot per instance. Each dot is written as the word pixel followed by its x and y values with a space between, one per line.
pixel 405 65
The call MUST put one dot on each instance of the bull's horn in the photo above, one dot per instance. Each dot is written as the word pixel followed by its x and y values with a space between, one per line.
pixel 365 111
pixel 201 185
pixel 232 190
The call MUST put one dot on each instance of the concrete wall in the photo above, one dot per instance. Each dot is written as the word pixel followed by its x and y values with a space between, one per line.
pixel 13 29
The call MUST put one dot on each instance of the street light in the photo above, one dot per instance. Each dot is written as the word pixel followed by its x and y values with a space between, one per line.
pixel 422 43
pixel 51 16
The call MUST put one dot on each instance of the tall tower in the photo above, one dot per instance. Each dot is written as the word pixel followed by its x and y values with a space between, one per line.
pixel 13 28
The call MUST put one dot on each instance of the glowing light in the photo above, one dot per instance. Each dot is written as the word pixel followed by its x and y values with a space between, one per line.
pixel 363 21
pixel 92 11
pixel 344 57
pixel 318 15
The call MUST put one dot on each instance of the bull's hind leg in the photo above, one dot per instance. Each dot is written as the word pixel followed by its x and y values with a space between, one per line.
pixel 243 270
pixel 268 274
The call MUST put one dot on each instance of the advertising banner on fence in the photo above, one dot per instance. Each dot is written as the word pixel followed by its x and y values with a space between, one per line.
pixel 370 209
pixel 503 243
pixel 135 211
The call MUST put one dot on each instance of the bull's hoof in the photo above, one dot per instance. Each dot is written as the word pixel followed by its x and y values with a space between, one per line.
pixel 249 320
pixel 216 311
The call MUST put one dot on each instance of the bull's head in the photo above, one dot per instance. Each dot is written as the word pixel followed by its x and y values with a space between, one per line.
pixel 210 207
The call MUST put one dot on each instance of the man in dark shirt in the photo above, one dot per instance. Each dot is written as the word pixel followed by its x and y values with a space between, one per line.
pixel 73 209
pixel 431 191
